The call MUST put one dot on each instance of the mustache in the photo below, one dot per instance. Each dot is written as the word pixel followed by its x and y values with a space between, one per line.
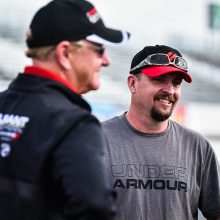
pixel 170 98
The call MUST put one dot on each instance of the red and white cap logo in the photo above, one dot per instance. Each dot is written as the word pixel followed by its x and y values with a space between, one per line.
pixel 93 15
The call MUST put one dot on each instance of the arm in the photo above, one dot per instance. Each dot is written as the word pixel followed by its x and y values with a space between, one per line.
pixel 78 166
pixel 209 202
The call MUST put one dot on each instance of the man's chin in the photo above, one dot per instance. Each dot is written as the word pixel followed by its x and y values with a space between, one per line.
pixel 160 115
pixel 96 86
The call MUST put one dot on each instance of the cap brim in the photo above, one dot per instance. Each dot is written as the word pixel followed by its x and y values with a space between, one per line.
pixel 155 71
pixel 108 36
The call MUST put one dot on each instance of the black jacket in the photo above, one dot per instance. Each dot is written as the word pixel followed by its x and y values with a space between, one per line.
pixel 50 154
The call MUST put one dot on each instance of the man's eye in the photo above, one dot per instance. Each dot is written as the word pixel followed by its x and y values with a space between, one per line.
pixel 177 82
pixel 158 79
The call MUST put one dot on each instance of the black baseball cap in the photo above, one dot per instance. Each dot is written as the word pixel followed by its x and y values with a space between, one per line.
pixel 158 70
pixel 71 20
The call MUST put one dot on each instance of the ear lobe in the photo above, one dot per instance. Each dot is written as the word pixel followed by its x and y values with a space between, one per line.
pixel 132 83
pixel 62 53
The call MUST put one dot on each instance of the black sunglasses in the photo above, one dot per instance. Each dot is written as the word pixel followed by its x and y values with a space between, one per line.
pixel 100 50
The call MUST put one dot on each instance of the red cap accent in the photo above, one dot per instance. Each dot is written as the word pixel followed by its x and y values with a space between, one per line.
pixel 92 11
pixel 172 57
pixel 169 54
pixel 156 71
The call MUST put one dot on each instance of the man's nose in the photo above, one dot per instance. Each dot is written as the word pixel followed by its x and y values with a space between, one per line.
pixel 168 87
pixel 105 60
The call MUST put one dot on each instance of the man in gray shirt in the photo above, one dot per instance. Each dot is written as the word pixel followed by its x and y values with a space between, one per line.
pixel 160 169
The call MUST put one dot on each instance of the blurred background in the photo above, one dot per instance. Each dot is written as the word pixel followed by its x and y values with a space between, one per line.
pixel 193 27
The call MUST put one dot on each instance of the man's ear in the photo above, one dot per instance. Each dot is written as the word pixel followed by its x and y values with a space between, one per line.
pixel 62 54
pixel 131 81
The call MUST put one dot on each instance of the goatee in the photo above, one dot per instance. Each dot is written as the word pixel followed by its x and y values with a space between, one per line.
pixel 158 116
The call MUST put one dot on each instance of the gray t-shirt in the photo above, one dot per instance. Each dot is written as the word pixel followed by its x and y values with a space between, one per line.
pixel 165 176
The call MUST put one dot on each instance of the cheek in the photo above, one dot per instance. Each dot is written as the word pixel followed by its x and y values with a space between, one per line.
pixel 95 77
pixel 144 96
pixel 178 94
pixel 92 81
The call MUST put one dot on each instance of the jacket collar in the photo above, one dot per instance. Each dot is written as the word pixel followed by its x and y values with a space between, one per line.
pixel 37 71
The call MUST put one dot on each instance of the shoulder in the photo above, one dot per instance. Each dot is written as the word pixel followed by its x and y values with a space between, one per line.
pixel 185 130
pixel 113 123
pixel 191 138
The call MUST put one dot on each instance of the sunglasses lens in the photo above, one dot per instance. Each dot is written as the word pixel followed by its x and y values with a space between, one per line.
pixel 101 51
pixel 180 62
pixel 161 59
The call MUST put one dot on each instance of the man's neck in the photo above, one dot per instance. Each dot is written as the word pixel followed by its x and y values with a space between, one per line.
pixel 145 124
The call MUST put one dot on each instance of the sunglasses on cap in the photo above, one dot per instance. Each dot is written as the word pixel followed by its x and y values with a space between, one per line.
pixel 161 59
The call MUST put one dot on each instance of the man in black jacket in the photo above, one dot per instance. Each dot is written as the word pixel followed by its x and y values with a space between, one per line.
pixel 50 144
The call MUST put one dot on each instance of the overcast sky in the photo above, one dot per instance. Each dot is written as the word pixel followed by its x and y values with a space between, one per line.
pixel 151 20
pixel 155 19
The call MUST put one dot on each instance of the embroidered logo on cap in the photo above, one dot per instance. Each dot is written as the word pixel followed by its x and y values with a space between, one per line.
pixel 93 15
pixel 171 55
